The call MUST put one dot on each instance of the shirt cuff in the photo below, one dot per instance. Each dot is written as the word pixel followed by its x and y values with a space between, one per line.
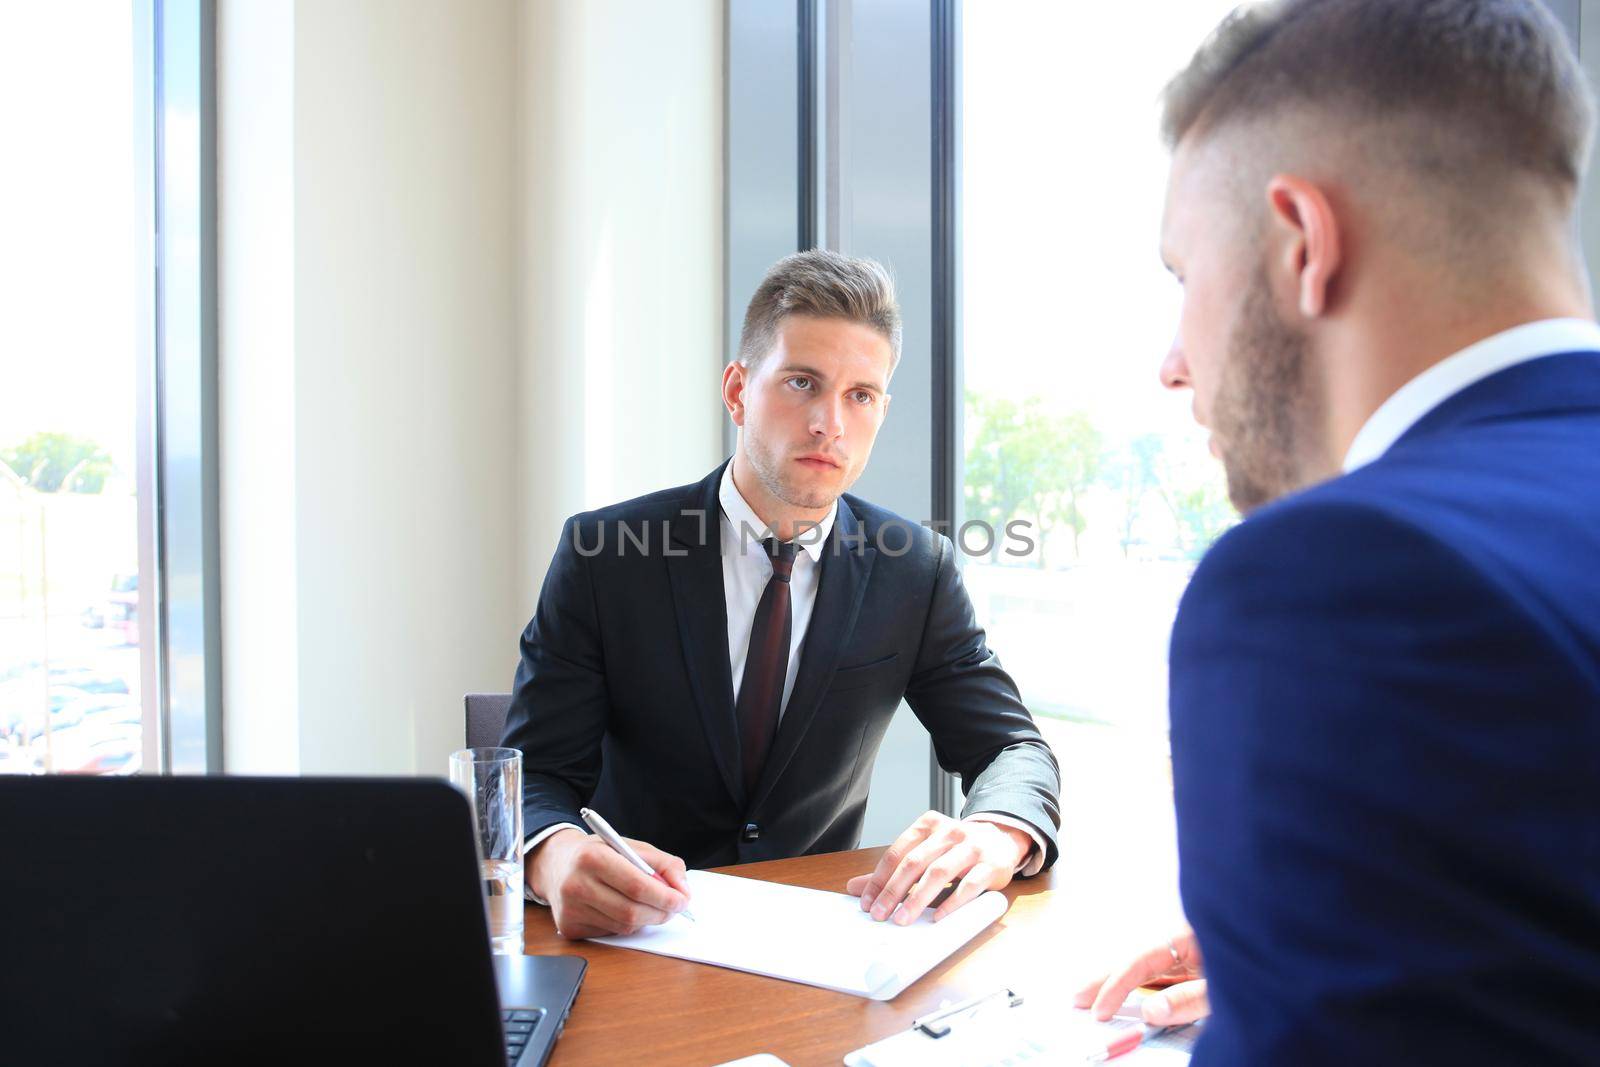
pixel 534 842
pixel 1033 862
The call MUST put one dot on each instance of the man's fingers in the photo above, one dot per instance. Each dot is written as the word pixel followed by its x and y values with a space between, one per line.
pixel 857 886
pixel 1085 996
pixel 605 868
pixel 665 864
pixel 1116 988
pixel 943 870
pixel 1106 995
pixel 892 858
pixel 940 834
pixel 619 913
pixel 576 921
pixel 1179 1004
pixel 977 880
pixel 1188 950
pixel 900 883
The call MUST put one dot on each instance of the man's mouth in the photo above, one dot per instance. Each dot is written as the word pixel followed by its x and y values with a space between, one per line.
pixel 817 462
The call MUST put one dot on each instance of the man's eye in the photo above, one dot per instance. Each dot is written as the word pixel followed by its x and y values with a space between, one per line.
pixel 800 383
pixel 864 397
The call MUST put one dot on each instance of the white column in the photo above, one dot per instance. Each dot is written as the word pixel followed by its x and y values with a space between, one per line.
pixel 369 378
pixel 256 381
pixel 620 142
pixel 471 283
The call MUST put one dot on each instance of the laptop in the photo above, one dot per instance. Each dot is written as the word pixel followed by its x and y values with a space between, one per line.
pixel 257 920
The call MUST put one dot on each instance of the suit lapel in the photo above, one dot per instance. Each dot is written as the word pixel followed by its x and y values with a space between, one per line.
pixel 695 569
pixel 846 564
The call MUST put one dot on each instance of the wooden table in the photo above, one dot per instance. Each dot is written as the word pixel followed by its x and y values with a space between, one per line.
pixel 643 1008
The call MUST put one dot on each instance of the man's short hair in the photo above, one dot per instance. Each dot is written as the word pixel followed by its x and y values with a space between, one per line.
pixel 825 285
pixel 1497 76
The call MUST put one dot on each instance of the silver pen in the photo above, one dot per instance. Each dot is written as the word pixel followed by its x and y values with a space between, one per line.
pixel 611 837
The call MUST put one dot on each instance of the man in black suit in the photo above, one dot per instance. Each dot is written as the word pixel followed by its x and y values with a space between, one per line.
pixel 713 667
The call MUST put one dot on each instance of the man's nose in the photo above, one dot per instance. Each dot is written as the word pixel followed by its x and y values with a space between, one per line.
pixel 827 417
pixel 1175 369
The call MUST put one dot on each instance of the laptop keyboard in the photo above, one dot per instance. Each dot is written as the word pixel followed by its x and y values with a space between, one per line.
pixel 519 1026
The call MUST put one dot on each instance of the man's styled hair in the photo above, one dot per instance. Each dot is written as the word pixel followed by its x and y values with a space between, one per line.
pixel 825 285
pixel 1495 83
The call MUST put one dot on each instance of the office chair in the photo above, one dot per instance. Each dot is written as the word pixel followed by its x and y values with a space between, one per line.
pixel 486 718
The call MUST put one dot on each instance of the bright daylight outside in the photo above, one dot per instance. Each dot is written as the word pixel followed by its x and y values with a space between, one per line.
pixel 1067 314
pixel 69 595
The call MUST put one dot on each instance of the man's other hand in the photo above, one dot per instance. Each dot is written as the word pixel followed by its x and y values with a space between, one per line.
pixel 1177 960
pixel 593 891
pixel 934 852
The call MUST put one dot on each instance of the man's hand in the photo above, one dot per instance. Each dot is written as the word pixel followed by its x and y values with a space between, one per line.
pixel 935 851
pixel 593 891
pixel 1177 1004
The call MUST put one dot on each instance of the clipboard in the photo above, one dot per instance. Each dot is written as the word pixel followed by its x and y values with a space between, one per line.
pixel 996 1028
pixel 945 1036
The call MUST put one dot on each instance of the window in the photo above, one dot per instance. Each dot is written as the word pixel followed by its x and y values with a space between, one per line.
pixel 1037 314
pixel 70 597
pixel 106 119
pixel 1024 240
pixel 1066 314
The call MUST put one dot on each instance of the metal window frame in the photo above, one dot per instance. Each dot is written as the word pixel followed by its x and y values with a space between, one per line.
pixel 803 85
pixel 146 92
pixel 945 119
pixel 177 460
pixel 807 15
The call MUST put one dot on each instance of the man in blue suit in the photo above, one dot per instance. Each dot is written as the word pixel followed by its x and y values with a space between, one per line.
pixel 1386 680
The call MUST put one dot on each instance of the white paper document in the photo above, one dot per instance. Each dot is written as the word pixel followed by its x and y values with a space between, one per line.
pixel 807 935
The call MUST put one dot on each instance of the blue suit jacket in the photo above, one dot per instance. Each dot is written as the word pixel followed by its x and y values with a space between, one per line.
pixel 1386 746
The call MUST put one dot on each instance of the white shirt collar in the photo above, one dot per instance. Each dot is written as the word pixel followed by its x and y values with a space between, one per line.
pixel 1449 376
pixel 741 514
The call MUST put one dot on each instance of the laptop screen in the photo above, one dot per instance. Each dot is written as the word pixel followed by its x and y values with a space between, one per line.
pixel 172 920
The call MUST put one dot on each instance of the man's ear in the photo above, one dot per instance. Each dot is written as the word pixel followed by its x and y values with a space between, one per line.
pixel 734 376
pixel 1305 241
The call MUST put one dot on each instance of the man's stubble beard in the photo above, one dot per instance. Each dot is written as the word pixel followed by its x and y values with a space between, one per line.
pixel 768 474
pixel 1268 409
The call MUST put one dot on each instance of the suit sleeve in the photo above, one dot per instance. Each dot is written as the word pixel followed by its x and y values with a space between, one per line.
pixel 1340 683
pixel 981 729
pixel 559 707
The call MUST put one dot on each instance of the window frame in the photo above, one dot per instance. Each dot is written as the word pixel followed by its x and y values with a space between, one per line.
pixel 174 99
pixel 806 115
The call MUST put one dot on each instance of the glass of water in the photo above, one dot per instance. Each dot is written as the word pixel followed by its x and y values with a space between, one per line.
pixel 492 780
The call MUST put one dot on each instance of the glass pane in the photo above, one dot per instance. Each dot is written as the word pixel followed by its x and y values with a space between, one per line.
pixel 1067 314
pixel 69 582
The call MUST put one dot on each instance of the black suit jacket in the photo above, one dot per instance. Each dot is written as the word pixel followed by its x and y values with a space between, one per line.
pixel 624 696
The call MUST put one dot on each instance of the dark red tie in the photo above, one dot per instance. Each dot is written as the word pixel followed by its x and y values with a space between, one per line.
pixel 766 665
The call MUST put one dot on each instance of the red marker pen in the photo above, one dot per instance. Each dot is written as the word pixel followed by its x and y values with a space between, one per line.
pixel 1127 1042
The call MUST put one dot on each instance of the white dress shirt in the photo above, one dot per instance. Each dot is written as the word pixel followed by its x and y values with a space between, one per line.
pixel 1454 373
pixel 746 569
